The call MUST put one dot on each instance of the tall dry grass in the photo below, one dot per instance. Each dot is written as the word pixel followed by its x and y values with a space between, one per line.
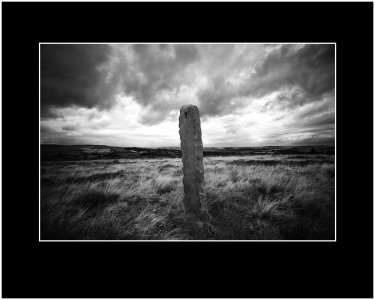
pixel 142 199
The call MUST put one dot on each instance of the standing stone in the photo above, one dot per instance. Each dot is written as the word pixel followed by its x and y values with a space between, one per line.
pixel 192 159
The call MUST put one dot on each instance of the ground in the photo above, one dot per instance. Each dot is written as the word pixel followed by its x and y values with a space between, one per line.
pixel 258 197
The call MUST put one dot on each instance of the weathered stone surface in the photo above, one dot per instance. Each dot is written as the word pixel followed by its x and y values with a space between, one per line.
pixel 192 159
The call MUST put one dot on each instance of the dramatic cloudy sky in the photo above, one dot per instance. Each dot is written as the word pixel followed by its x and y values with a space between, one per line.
pixel 130 95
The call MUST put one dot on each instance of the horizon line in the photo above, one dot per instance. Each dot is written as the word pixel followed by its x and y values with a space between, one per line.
pixel 307 145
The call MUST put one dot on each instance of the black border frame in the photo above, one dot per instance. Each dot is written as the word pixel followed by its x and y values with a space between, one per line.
pixel 97 270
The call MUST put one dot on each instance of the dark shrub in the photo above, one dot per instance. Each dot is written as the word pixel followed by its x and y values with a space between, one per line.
pixel 95 199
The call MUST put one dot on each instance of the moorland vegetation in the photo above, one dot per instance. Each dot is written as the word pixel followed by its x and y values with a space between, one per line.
pixel 266 197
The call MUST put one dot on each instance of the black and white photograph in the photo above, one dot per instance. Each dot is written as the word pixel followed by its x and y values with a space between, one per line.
pixel 187 142
pixel 187 149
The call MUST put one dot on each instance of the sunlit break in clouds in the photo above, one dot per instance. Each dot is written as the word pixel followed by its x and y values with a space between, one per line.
pixel 130 94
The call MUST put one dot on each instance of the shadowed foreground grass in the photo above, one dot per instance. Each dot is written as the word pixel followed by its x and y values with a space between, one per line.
pixel 248 199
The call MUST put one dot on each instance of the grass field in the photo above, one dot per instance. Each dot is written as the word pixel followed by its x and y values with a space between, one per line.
pixel 257 197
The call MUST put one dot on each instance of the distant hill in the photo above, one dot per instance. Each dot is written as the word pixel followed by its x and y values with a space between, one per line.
pixel 89 152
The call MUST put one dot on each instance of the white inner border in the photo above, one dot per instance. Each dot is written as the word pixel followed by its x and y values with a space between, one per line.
pixel 67 43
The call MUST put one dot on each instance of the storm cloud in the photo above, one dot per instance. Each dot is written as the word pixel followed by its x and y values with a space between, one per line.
pixel 301 76
pixel 73 75
pixel 292 85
